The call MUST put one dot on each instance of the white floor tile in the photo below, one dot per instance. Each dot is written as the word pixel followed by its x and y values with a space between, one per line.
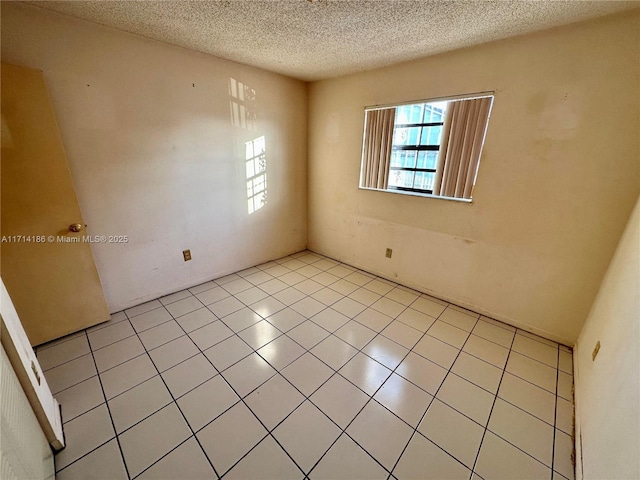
pixel 346 459
pixel 307 373
pixel 206 402
pixel 355 334
pixel 184 306
pixel 104 462
pixel 467 398
pixel 210 335
pixel 187 461
pixel 267 307
pixel 259 334
pixel 532 371
pixel 438 352
pixel 174 352
pixel 70 373
pixel 330 319
pixel 340 400
pixel 327 296
pixel 422 372
pixel 85 433
pixel 365 373
pixel 465 321
pixel 127 375
pixel 418 320
pixel 453 432
pixel 491 332
pixel 150 319
pixel 334 352
pixel 196 319
pixel 251 295
pixel 564 416
pixel 142 308
pixel 307 434
pixel 111 334
pixel 228 352
pixel 151 439
pixel 274 400
pixel 402 295
pixel 286 319
pixel 174 297
pixel 486 350
pixel 117 353
pixel 267 461
pixel 138 403
pixel 403 334
pixel 478 372
pixel 562 461
pixel 248 374
pixel 225 450
pixel 523 430
pixel 241 319
pixel 500 460
pixel 385 351
pixel 224 307
pixel 536 350
pixel 535 400
pixel 289 296
pixel 373 319
pixel 446 333
pixel 566 362
pixel 404 399
pixel 308 334
pixel 213 295
pixel 187 375
pixel 364 296
pixel 281 352
pixel 80 398
pixel 63 352
pixel 425 461
pixel 156 336
pixel 429 306
pixel 388 307
pixel 380 433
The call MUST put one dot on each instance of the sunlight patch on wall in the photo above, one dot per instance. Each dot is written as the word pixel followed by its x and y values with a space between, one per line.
pixel 256 168
pixel 242 104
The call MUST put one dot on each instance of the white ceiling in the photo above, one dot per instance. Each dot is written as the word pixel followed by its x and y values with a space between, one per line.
pixel 317 39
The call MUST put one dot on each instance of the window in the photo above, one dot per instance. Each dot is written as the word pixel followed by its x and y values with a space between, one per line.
pixel 427 148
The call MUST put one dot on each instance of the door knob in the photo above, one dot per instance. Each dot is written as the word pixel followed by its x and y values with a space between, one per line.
pixel 75 227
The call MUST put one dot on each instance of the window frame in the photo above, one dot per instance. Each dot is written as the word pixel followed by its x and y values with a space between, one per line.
pixel 416 191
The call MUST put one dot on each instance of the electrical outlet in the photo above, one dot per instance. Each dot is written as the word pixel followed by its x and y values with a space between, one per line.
pixel 389 252
pixel 595 351
pixel 187 255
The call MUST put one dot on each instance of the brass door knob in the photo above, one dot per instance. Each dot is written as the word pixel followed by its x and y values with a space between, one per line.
pixel 75 227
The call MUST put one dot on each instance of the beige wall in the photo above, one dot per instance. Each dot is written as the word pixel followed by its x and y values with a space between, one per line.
pixel 608 389
pixel 154 155
pixel 557 181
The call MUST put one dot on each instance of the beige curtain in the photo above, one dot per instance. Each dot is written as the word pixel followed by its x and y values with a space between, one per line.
pixel 462 138
pixel 376 154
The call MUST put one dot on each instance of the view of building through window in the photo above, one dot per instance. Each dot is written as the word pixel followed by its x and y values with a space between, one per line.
pixel 416 142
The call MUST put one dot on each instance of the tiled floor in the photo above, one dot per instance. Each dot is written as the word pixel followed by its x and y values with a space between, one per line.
pixel 307 368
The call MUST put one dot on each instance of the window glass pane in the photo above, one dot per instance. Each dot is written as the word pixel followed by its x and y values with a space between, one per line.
pixel 434 112
pixel 427 159
pixel 406 136
pixel 401 178
pixel 430 135
pixel 424 180
pixel 403 158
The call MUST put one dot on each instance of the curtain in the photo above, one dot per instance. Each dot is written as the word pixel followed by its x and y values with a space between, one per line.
pixel 376 155
pixel 462 138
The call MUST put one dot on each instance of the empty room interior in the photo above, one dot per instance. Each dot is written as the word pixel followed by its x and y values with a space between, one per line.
pixel 317 239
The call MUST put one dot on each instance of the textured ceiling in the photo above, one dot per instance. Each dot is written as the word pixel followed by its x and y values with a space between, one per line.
pixel 317 39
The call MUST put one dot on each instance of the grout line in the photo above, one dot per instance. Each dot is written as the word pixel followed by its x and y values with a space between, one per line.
pixel 177 406
pixel 415 430
pixel 495 398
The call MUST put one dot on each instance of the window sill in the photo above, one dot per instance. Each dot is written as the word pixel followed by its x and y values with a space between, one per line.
pixel 416 194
